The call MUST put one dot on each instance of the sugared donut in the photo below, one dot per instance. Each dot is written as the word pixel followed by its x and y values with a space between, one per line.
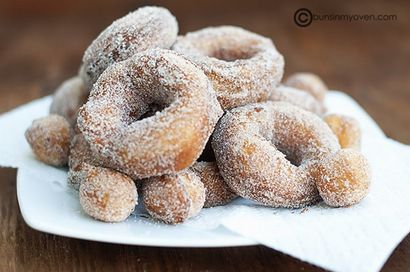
pixel 346 129
pixel 242 66
pixel 217 191
pixel 116 120
pixel 298 98
pixel 49 138
pixel 308 82
pixel 80 161
pixel 68 98
pixel 174 198
pixel 145 28
pixel 264 152
pixel 108 195
pixel 343 178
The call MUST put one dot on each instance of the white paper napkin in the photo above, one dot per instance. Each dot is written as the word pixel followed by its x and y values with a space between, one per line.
pixel 358 238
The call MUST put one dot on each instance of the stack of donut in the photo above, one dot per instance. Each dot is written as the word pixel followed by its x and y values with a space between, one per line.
pixel 194 121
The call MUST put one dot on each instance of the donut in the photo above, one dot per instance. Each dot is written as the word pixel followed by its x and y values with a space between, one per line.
pixel 343 178
pixel 68 98
pixel 298 98
pixel 217 191
pixel 49 138
pixel 346 129
pixel 142 29
pixel 107 195
pixel 173 198
pixel 308 82
pixel 265 151
pixel 150 115
pixel 242 66
pixel 80 161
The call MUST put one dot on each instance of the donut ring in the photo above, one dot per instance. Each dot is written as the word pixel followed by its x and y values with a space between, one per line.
pixel 49 139
pixel 242 66
pixel 107 195
pixel 265 151
pixel 68 98
pixel 173 198
pixel 308 82
pixel 142 29
pixel 298 98
pixel 346 129
pixel 217 191
pixel 166 142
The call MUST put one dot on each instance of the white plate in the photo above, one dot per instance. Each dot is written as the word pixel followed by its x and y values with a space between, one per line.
pixel 48 205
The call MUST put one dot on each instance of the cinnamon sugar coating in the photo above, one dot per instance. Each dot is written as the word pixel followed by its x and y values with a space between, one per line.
pixel 343 178
pixel 174 198
pixel 242 66
pixel 68 98
pixel 265 151
pixel 218 192
pixel 107 195
pixel 145 28
pixel 49 138
pixel 80 161
pixel 346 129
pixel 150 115
pixel 298 98
pixel 308 82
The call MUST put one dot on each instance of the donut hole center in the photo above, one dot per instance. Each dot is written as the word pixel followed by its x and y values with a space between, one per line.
pixel 150 110
pixel 292 157
pixel 232 54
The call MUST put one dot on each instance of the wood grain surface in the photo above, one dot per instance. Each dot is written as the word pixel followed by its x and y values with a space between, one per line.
pixel 42 42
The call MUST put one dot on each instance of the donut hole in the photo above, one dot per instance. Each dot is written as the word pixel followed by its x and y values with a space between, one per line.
pixel 232 53
pixel 292 157
pixel 150 110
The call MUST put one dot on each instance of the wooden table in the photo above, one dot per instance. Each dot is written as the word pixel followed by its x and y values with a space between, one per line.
pixel 42 44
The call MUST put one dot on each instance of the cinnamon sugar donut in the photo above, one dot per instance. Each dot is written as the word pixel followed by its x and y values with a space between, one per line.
pixel 80 161
pixel 116 120
pixel 265 151
pixel 346 129
pixel 68 98
pixel 217 191
pixel 107 195
pixel 49 138
pixel 173 198
pixel 308 82
pixel 343 178
pixel 298 98
pixel 242 66
pixel 142 29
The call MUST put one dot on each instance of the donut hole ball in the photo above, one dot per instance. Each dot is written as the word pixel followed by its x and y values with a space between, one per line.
pixel 107 195
pixel 308 82
pixel 49 138
pixel 68 98
pixel 218 192
pixel 343 178
pixel 346 129
pixel 173 198
pixel 298 98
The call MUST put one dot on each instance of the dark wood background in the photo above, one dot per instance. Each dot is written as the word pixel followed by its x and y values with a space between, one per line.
pixel 41 44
